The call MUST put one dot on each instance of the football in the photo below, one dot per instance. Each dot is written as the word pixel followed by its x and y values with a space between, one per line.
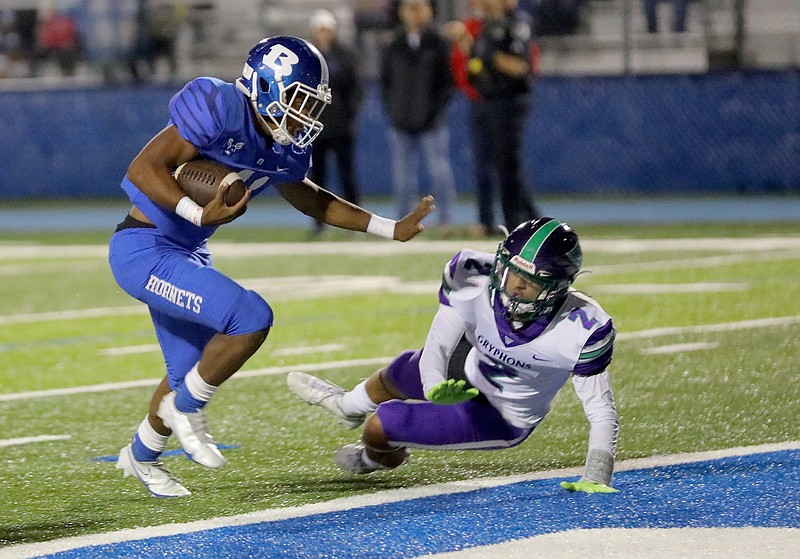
pixel 201 178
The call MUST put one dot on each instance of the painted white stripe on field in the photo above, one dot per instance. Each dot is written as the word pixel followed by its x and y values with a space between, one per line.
pixel 661 288
pixel 624 336
pixel 26 551
pixel 309 350
pixel 72 315
pixel 679 348
pixel 420 246
pixel 722 327
pixel 51 268
pixel 289 288
pixel 693 263
pixel 148 348
pixel 129 350
pixel 29 440
pixel 309 367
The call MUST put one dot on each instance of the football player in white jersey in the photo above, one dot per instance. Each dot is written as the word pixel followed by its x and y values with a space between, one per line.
pixel 509 332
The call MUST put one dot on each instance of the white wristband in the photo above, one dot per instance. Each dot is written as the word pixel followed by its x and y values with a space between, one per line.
pixel 381 226
pixel 189 210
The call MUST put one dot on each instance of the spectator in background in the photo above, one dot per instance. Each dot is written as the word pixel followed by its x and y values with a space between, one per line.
pixel 10 43
pixel 156 34
pixel 679 15
pixel 56 39
pixel 416 86
pixel 472 24
pixel 500 68
pixel 339 120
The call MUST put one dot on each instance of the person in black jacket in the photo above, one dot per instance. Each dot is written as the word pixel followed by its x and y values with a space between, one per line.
pixel 341 118
pixel 499 67
pixel 416 87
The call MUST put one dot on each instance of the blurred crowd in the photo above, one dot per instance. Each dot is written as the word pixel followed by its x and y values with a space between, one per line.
pixel 136 39
pixel 127 37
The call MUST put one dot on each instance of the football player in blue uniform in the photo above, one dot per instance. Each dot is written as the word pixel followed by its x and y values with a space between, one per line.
pixel 510 331
pixel 208 325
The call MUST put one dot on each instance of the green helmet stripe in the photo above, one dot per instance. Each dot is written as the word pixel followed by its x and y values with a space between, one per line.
pixel 531 248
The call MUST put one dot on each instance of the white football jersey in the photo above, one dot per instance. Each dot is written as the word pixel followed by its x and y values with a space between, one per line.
pixel 519 371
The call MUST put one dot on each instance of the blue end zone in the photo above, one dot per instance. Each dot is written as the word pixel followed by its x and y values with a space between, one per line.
pixel 757 490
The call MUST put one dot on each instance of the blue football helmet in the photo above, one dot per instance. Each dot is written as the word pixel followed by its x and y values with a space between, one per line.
pixel 543 251
pixel 286 80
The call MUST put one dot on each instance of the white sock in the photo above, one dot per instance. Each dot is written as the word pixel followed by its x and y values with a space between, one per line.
pixel 198 388
pixel 357 401
pixel 152 440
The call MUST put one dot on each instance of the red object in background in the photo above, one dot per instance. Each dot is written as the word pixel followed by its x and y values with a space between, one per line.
pixel 58 32
pixel 459 60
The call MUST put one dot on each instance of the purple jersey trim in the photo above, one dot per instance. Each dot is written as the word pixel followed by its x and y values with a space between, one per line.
pixel 599 362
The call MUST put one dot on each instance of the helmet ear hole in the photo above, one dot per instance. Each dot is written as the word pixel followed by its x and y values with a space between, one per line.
pixel 263 85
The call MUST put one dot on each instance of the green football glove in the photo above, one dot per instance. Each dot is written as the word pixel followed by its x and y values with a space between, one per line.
pixel 588 486
pixel 451 391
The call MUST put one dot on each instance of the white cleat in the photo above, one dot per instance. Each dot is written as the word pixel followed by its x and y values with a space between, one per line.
pixel 158 480
pixel 319 392
pixel 191 430
pixel 350 458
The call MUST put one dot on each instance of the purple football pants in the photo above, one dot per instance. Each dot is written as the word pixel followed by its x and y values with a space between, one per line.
pixel 471 425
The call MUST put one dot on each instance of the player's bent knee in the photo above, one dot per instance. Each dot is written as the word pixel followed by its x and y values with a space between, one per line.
pixel 250 314
pixel 373 435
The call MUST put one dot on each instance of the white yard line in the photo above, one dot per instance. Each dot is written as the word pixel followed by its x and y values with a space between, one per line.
pixel 108 387
pixel 148 348
pixel 721 327
pixel 624 336
pixel 26 551
pixel 29 440
pixel 24 251
pixel 308 350
pixel 129 350
pixel 79 314
pixel 679 348
pixel 661 288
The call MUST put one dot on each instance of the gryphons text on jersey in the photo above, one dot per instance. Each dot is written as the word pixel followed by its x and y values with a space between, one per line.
pixel 520 371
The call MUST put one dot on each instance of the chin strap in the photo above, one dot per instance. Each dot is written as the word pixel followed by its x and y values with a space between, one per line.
pixel 281 137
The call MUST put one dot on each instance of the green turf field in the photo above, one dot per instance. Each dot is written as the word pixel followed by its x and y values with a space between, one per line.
pixel 709 340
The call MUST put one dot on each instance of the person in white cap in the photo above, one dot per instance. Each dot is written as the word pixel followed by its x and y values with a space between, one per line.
pixel 340 119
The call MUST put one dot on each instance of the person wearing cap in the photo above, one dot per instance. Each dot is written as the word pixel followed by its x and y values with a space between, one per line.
pixel 340 120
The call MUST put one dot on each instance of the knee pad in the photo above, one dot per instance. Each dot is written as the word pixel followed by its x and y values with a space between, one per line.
pixel 251 313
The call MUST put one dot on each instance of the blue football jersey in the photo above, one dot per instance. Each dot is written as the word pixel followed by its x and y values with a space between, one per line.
pixel 216 118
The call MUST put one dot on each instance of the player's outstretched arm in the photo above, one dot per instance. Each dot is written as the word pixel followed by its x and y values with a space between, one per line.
pixel 411 225
pixel 316 202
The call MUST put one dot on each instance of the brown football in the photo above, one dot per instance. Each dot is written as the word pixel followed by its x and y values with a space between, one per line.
pixel 201 178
